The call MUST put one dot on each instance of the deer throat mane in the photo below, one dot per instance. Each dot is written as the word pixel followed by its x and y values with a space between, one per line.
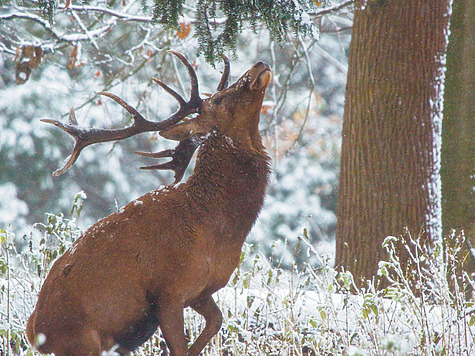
pixel 230 174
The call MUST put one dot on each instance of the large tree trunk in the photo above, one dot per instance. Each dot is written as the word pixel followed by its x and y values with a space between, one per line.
pixel 390 158
pixel 458 144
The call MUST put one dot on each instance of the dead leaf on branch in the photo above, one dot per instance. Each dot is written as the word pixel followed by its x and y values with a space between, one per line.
pixel 27 57
pixel 73 57
pixel 185 27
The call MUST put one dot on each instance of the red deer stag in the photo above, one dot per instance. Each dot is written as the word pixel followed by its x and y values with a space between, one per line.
pixel 138 268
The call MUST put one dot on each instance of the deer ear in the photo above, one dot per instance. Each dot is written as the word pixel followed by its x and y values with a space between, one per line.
pixel 181 132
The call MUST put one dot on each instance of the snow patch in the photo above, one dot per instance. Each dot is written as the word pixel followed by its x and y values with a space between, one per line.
pixel 72 249
pixel 229 141
pixel 434 217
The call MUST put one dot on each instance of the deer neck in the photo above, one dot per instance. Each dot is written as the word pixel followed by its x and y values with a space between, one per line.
pixel 230 180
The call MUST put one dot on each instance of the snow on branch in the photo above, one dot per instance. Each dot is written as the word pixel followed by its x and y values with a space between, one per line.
pixel 95 22
pixel 332 9
pixel 73 37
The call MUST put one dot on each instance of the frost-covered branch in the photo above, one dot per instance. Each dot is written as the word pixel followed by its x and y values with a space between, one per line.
pixel 332 9
pixel 332 59
pixel 31 17
pixel 73 37
pixel 102 10
pixel 5 49
pixel 124 16
pixel 84 28
pixel 215 33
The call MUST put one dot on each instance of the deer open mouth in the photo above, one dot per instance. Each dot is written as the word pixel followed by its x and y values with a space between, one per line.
pixel 261 76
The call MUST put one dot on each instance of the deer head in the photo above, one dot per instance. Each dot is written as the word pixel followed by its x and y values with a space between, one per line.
pixel 232 111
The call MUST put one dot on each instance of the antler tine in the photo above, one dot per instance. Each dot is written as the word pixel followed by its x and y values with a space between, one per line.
pixel 72 130
pixel 223 83
pixel 84 136
pixel 181 157
pixel 71 159
pixel 195 95
pixel 170 91
pixel 78 146
pixel 161 154
pixel 135 114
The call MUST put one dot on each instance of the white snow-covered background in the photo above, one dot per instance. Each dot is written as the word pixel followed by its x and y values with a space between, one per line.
pixel 301 127
pixel 285 299
pixel 269 310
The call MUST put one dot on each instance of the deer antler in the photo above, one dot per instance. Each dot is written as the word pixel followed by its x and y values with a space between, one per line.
pixel 181 157
pixel 87 136
pixel 223 83
pixel 182 154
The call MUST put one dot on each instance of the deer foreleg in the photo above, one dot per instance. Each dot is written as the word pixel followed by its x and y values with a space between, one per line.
pixel 210 311
pixel 172 326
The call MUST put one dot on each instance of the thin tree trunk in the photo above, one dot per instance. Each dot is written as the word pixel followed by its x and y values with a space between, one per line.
pixel 390 158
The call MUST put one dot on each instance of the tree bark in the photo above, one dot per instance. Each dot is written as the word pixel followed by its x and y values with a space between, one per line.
pixel 390 160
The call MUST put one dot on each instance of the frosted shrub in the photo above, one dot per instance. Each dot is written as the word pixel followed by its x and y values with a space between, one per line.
pixel 317 310
pixel 24 264
pixel 442 313
pixel 306 309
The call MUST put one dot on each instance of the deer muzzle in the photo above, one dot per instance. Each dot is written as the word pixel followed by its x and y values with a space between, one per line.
pixel 260 75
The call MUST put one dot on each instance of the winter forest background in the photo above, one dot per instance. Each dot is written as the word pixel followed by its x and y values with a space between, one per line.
pixel 301 123
pixel 54 56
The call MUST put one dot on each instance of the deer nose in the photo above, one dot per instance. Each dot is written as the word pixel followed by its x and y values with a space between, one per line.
pixel 262 65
